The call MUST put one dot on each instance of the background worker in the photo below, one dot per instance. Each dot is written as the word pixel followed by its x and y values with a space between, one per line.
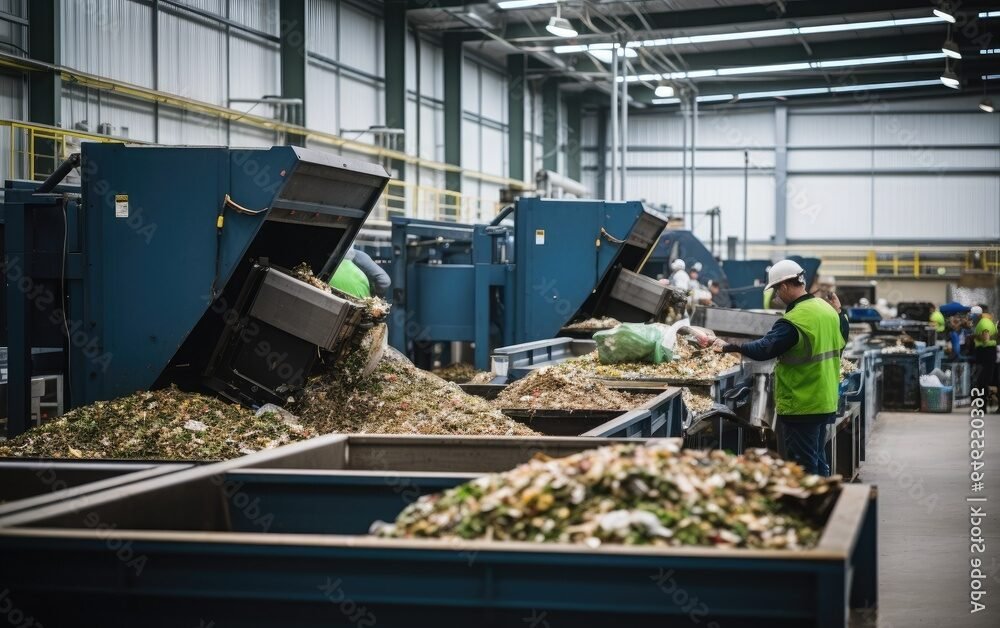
pixel 695 284
pixel 808 342
pixel 985 335
pixel 359 276
pixel 680 278
pixel 937 319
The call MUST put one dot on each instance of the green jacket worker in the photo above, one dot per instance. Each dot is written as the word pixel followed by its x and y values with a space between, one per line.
pixel 359 276
pixel 985 336
pixel 807 342
pixel 937 318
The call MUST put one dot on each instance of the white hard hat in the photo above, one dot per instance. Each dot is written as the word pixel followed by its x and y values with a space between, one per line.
pixel 975 310
pixel 783 271
pixel 864 302
pixel 696 266
pixel 677 265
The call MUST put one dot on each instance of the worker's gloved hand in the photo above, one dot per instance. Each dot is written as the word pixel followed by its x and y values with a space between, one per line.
pixel 719 345
pixel 835 301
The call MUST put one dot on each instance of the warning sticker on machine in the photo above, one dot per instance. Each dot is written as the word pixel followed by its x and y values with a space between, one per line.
pixel 539 236
pixel 121 205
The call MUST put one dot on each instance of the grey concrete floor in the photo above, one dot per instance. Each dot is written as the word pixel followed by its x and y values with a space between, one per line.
pixel 921 465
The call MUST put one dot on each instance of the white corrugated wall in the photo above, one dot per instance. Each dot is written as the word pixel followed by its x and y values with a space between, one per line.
pixel 484 131
pixel 907 170
pixel 12 105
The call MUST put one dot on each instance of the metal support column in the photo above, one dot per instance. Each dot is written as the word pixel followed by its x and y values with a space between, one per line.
pixel 780 174
pixel 45 88
pixel 613 119
pixel 294 58
pixel 574 138
pixel 453 60
pixel 624 130
pixel 602 154
pixel 395 74
pixel 550 124
pixel 516 88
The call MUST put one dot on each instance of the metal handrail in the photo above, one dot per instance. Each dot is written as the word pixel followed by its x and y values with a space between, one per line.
pixel 399 198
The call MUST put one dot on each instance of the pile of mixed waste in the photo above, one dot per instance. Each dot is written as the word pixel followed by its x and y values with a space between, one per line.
pixel 375 308
pixel 689 363
pixel 846 368
pixel 594 324
pixel 399 398
pixel 166 424
pixel 697 402
pixel 633 495
pixel 548 388
pixel 462 373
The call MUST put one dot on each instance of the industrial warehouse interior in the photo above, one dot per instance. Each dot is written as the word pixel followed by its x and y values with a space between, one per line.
pixel 506 313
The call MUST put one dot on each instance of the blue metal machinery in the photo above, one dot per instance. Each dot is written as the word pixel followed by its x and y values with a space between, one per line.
pixel 158 267
pixel 501 284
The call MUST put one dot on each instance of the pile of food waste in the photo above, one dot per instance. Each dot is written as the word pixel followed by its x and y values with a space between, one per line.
pixel 166 424
pixel 594 324
pixel 460 373
pixel 375 308
pixel 846 368
pixel 689 363
pixel 548 388
pixel 635 495
pixel 399 398
pixel 697 402
pixel 897 349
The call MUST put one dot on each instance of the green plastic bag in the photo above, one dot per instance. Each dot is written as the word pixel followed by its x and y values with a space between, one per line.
pixel 632 342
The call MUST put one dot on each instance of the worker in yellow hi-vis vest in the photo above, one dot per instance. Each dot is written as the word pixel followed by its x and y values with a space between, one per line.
pixel 807 342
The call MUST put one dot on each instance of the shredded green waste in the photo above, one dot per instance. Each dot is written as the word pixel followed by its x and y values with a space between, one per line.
pixel 166 424
pixel 633 495
pixel 460 373
pixel 550 389
pixel 399 398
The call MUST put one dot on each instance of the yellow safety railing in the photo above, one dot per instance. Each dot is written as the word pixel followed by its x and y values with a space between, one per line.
pixel 884 261
pixel 35 150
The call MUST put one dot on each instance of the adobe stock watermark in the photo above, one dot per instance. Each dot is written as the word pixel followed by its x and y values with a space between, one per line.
pixel 42 299
pixel 241 501
pixel 13 615
pixel 122 549
pixel 357 614
pixel 697 611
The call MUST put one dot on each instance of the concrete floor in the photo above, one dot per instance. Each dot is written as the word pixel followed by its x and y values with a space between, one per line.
pixel 921 465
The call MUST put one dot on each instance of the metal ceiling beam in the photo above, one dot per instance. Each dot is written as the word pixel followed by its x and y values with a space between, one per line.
pixel 744 14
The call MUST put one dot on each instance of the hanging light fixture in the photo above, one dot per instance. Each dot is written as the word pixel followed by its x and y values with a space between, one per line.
pixel 949 78
pixel 560 26
pixel 947 17
pixel 950 48
pixel 986 105
pixel 664 90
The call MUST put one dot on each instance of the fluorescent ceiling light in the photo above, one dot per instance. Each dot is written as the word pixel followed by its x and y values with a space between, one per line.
pixel 990 51
pixel 715 97
pixel 986 105
pixel 663 90
pixel 561 50
pixel 785 67
pixel 947 17
pixel 758 69
pixel 520 4
pixel 784 92
pixel 666 101
pixel 990 77
pixel 779 32
pixel 950 49
pixel 604 56
pixel 990 14
pixel 950 79
pixel 877 86
pixel 561 27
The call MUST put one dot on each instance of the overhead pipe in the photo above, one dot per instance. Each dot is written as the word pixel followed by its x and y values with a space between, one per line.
pixel 60 173
pixel 694 150
pixel 614 124
pixel 547 181
pixel 624 125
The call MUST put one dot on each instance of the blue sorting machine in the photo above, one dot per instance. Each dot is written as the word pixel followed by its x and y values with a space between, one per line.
pixel 541 264
pixel 282 533
pixel 172 265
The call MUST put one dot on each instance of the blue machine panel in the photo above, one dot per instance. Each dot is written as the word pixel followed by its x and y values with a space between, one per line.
pixel 561 256
pixel 446 291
